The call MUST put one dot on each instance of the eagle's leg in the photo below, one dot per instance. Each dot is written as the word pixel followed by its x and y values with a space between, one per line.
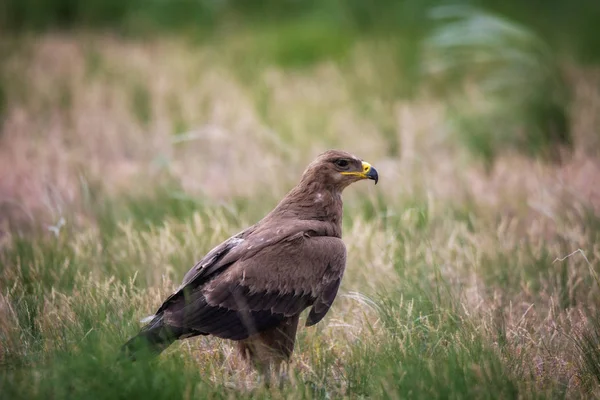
pixel 270 350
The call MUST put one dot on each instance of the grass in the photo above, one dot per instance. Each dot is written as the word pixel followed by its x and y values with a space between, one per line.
pixel 523 93
pixel 68 304
pixel 152 153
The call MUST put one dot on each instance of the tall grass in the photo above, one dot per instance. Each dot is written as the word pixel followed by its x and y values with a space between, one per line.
pixel 413 322
pixel 162 149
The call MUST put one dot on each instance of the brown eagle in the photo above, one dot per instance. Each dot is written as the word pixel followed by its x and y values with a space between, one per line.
pixel 252 287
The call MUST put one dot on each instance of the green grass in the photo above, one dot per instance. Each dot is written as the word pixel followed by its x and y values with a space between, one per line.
pixel 423 351
pixel 452 289
pixel 72 303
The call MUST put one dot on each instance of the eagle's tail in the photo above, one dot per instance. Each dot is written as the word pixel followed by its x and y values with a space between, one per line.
pixel 153 339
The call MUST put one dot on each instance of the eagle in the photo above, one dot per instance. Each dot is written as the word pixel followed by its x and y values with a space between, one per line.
pixel 252 288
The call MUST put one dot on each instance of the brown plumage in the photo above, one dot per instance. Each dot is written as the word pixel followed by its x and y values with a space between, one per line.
pixel 252 287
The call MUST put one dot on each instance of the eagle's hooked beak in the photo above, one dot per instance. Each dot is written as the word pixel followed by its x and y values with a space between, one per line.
pixel 368 172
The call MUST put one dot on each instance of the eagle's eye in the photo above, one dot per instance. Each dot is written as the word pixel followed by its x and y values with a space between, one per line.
pixel 342 163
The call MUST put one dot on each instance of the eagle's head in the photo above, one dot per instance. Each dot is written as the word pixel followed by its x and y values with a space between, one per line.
pixel 338 169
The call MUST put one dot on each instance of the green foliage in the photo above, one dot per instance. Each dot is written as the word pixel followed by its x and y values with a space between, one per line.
pixel 301 43
pixel 87 368
pixel 40 14
pixel 569 25
pixel 502 81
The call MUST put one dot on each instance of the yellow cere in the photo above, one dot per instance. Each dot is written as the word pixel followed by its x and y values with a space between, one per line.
pixel 366 167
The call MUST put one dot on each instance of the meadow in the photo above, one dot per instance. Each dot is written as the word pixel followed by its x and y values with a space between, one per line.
pixel 472 266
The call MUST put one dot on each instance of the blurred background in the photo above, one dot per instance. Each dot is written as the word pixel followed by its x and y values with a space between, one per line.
pixel 135 135
pixel 105 91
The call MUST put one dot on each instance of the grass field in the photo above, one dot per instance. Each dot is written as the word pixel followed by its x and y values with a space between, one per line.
pixel 124 161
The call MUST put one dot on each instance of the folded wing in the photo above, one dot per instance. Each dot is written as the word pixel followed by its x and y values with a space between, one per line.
pixel 265 284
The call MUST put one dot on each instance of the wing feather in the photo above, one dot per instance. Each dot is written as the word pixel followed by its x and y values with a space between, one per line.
pixel 233 296
pixel 323 303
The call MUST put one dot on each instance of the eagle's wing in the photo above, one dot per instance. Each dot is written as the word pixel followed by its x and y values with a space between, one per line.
pixel 265 282
pixel 211 263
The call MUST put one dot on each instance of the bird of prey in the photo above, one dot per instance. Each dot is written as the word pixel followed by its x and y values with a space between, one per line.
pixel 252 287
